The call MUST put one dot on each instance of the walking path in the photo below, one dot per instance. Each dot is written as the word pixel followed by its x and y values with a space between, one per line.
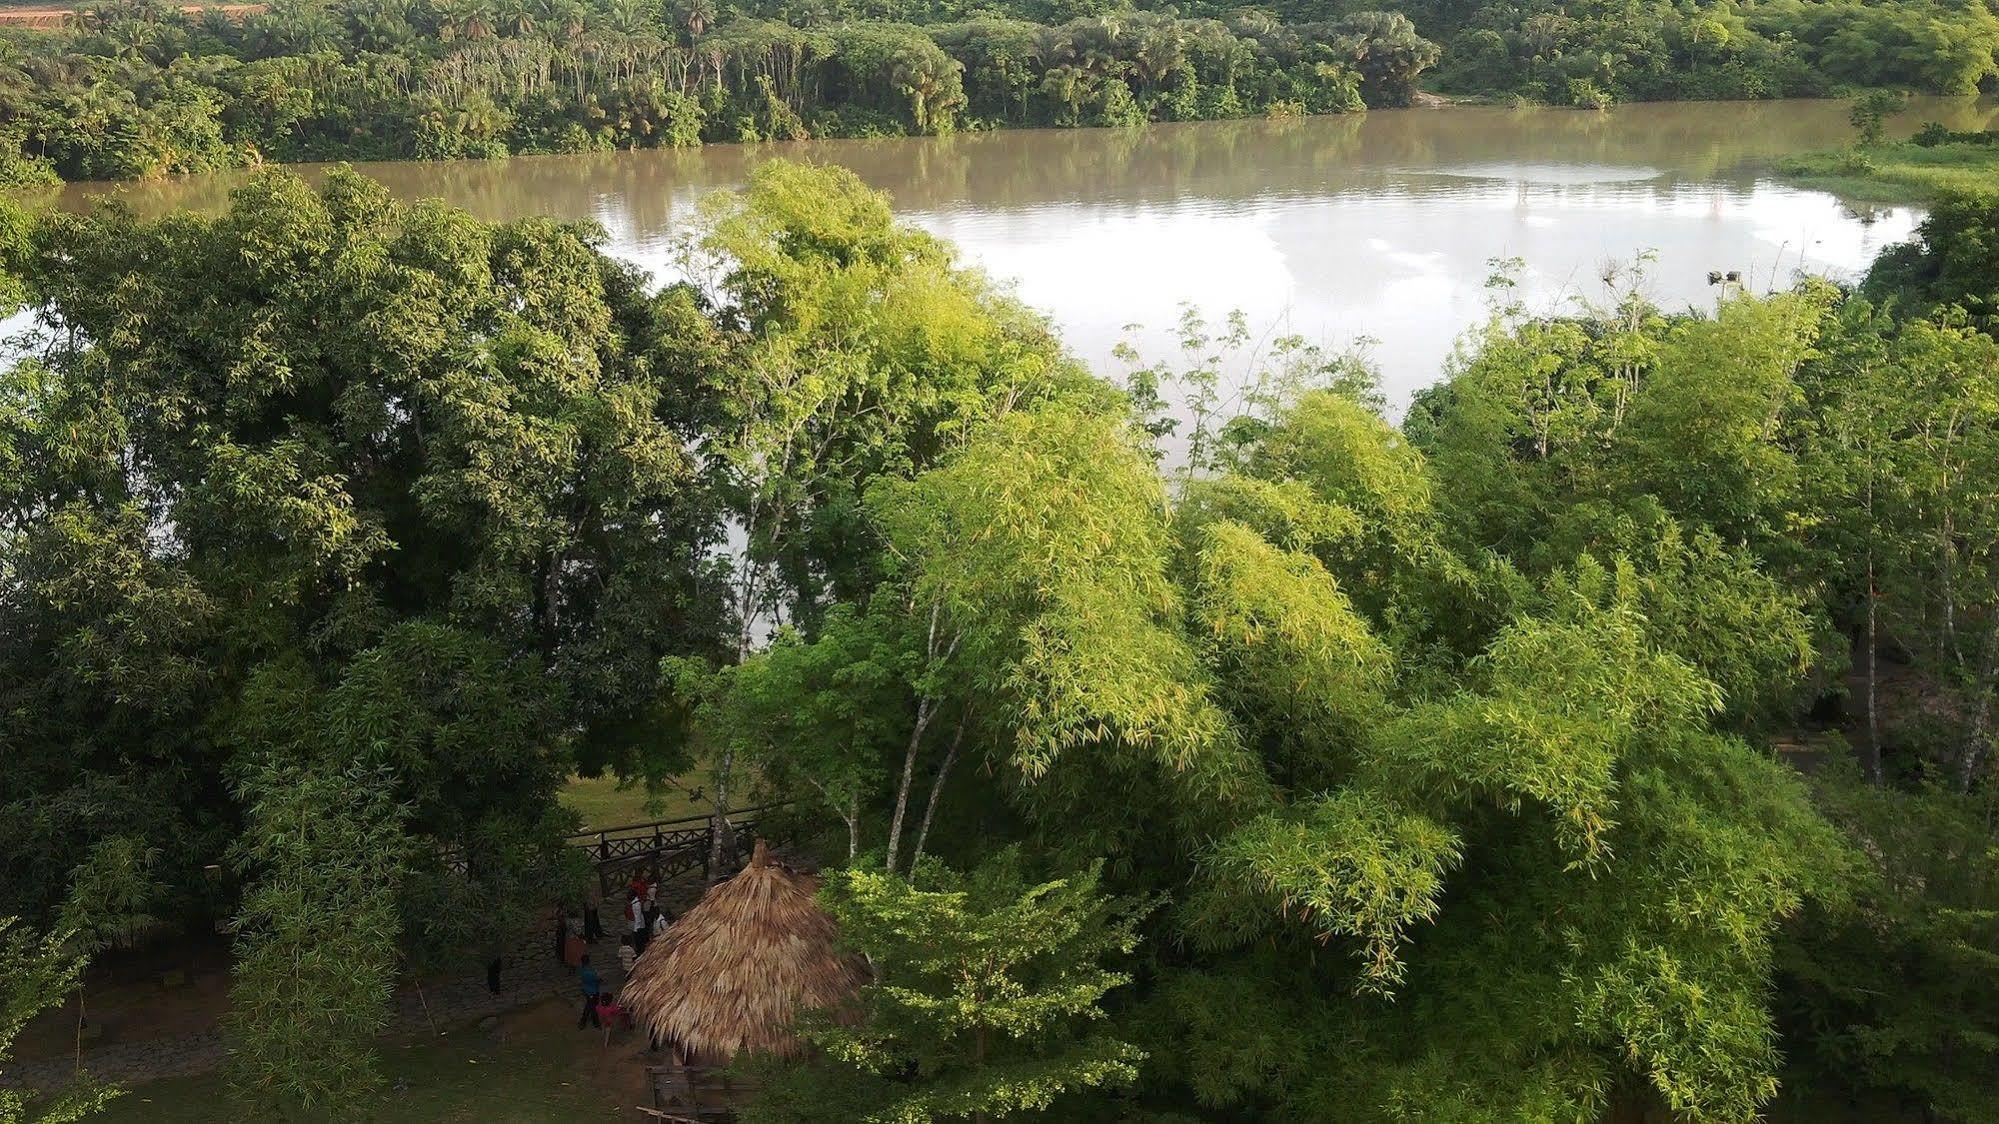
pixel 532 974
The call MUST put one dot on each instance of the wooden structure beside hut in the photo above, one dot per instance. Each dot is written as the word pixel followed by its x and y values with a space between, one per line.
pixel 729 976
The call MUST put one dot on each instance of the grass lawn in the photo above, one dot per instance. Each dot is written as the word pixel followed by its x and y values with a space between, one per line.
pixel 1898 172
pixel 534 1066
pixel 603 804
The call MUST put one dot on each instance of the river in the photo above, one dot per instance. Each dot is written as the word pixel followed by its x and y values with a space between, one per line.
pixel 1378 226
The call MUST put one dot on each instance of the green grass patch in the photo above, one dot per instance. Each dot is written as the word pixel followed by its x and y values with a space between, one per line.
pixel 602 803
pixel 1898 172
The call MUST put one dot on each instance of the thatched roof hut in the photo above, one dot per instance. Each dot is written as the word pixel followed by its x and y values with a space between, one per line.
pixel 730 974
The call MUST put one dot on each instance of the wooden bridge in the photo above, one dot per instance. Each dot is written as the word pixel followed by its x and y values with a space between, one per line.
pixel 668 850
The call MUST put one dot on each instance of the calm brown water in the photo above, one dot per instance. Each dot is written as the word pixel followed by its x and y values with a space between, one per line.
pixel 1378 226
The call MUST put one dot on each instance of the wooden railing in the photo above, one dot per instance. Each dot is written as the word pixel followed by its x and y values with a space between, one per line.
pixel 665 849
pixel 695 1093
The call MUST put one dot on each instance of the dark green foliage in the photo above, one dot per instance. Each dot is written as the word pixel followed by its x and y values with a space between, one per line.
pixel 36 971
pixel 1953 261
pixel 1897 993
pixel 335 479
pixel 324 848
pixel 1870 112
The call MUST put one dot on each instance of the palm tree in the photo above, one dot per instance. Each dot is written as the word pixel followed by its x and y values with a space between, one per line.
pixel 381 25
pixel 480 18
pixel 1068 86
pixel 626 17
pixel 516 17
pixel 463 19
pixel 447 16
pixel 697 15
pixel 1161 51
pixel 298 27
pixel 130 39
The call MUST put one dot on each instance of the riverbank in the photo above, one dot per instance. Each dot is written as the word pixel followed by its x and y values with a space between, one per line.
pixel 1910 171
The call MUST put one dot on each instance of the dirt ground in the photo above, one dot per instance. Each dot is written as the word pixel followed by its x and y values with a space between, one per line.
pixel 530 1066
pixel 180 987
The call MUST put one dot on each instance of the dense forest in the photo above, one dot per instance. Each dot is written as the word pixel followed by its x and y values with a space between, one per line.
pixel 136 88
pixel 1614 734
pixel 141 89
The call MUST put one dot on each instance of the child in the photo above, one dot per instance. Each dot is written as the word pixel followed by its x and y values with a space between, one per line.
pixel 610 1014
pixel 627 955
pixel 591 986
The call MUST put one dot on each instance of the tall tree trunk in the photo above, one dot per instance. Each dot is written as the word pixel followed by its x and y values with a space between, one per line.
pixel 719 830
pixel 81 1019
pixel 1873 679
pixel 720 833
pixel 925 711
pixel 936 787
pixel 1981 726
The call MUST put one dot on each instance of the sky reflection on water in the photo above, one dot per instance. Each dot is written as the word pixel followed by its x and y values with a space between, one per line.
pixel 1380 225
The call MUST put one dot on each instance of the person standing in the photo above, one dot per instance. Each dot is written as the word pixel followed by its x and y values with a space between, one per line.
pixel 572 943
pixel 635 912
pixel 627 956
pixel 591 986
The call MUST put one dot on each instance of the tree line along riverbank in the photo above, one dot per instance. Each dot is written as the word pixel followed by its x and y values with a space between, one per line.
pixel 139 88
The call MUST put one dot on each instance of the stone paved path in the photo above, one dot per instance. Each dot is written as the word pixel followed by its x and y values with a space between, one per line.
pixel 532 974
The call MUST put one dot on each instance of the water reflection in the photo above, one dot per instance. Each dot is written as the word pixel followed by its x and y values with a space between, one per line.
pixel 1380 225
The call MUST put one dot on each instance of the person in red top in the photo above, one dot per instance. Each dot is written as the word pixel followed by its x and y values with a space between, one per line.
pixel 610 1013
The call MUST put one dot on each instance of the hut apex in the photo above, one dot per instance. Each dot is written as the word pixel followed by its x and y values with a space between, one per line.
pixel 734 970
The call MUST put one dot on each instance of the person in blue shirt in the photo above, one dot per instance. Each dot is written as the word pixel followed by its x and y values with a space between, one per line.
pixel 591 986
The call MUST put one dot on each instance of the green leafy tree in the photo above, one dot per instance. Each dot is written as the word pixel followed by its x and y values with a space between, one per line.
pixel 324 851
pixel 1046 546
pixel 1869 113
pixel 1895 993
pixel 985 989
pixel 1540 832
pixel 441 518
pixel 110 906
pixel 1950 261
pixel 36 970
pixel 810 414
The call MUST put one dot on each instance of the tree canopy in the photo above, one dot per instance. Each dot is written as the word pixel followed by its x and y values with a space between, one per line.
pixel 1441 768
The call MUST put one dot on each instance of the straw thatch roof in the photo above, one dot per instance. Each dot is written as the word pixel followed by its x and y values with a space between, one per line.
pixel 731 973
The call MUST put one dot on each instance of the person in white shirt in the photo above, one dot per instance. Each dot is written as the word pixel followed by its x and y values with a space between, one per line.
pixel 635 912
